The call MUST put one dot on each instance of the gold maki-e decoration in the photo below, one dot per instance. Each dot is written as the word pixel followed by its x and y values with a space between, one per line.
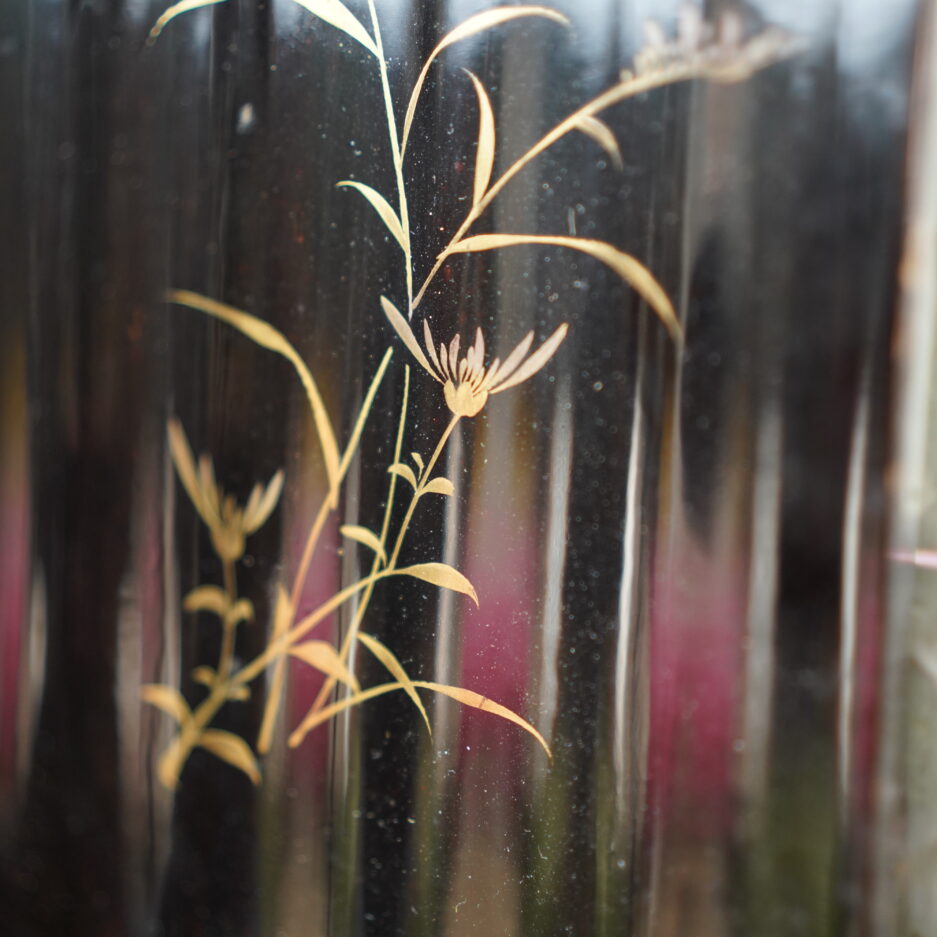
pixel 699 50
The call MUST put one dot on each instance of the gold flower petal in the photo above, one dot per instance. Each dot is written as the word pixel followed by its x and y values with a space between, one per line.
pixel 512 360
pixel 263 509
pixel 428 341
pixel 185 464
pixel 402 328
pixel 535 362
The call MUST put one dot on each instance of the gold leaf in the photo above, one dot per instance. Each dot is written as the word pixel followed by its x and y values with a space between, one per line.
pixel 315 717
pixel 384 210
pixel 602 134
pixel 417 460
pixel 474 24
pixel 485 154
pixel 171 761
pixel 204 675
pixel 402 328
pixel 185 463
pixel 175 10
pixel 338 15
pixel 623 264
pixel 440 486
pixel 439 574
pixel 477 701
pixel 168 699
pixel 365 536
pixel 389 660
pixel 323 656
pixel 242 610
pixel 232 749
pixel 207 599
pixel 268 337
pixel 404 471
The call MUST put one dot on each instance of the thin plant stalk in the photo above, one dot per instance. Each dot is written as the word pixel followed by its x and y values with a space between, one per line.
pixel 395 152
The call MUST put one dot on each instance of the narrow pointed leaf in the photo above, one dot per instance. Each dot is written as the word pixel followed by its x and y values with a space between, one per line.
pixel 315 717
pixel 338 15
pixel 268 337
pixel 439 574
pixel 395 668
pixel 477 701
pixel 602 134
pixel 170 763
pixel 232 749
pixel 175 10
pixel 405 472
pixel 207 599
pixel 402 328
pixel 440 486
pixel 367 537
pixel 417 460
pixel 323 656
pixel 383 209
pixel 629 269
pixel 485 153
pixel 168 699
pixel 470 27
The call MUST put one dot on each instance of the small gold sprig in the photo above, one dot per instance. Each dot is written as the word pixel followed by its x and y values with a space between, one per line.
pixel 228 523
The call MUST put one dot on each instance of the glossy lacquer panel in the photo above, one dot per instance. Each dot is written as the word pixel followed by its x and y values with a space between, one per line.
pixel 462 469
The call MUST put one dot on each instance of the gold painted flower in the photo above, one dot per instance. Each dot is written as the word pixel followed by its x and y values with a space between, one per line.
pixel 228 523
pixel 466 381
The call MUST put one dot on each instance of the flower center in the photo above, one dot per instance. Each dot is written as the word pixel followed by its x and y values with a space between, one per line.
pixel 464 400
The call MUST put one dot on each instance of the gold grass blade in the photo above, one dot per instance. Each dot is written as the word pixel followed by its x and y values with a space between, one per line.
pixel 367 537
pixel 168 699
pixel 207 599
pixel 175 10
pixel 396 670
pixel 338 15
pixel 474 24
pixel 440 486
pixel 629 269
pixel 384 210
pixel 466 697
pixel 268 337
pixel 485 153
pixel 477 701
pixel 600 132
pixel 323 657
pixel 439 574
pixel 404 471
pixel 233 749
